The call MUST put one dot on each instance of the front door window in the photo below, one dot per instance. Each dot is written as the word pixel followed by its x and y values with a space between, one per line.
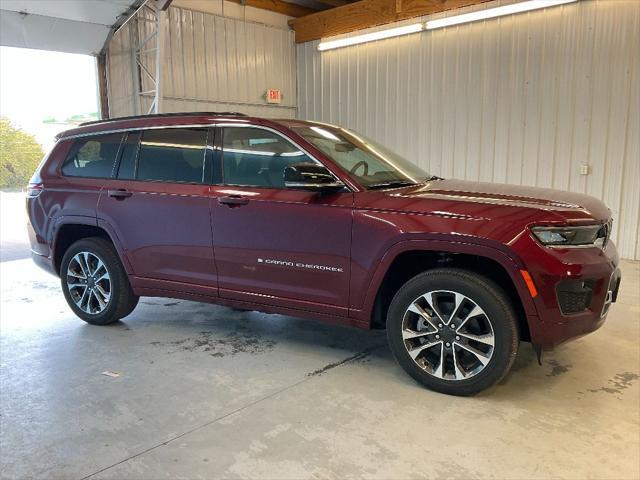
pixel 255 157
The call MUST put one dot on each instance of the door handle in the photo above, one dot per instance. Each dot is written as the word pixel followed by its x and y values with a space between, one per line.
pixel 119 194
pixel 233 201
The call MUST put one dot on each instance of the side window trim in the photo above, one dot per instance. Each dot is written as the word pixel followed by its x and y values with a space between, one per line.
pixel 220 150
pixel 214 148
pixel 221 126
pixel 137 156
pixel 207 164
pixel 125 139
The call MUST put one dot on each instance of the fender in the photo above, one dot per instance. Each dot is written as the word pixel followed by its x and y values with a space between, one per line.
pixel 59 221
pixel 62 220
pixel 106 226
pixel 492 250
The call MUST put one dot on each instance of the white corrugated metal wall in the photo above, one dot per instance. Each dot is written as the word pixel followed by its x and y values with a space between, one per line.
pixel 524 99
pixel 211 63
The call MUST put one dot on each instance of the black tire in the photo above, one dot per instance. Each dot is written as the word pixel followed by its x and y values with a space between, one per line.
pixel 486 295
pixel 122 300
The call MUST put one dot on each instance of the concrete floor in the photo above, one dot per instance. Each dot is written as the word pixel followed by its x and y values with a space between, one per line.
pixel 14 242
pixel 206 392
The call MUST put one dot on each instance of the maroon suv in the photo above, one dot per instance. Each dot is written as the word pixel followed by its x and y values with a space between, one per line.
pixel 313 220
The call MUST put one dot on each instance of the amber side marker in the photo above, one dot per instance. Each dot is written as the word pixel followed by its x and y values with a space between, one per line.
pixel 530 285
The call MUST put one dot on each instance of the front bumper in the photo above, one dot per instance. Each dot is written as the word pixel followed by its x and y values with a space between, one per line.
pixel 551 270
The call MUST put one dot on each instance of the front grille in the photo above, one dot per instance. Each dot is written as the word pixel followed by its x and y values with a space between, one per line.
pixel 574 296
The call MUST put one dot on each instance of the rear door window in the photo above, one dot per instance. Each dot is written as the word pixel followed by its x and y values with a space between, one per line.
pixel 93 156
pixel 172 155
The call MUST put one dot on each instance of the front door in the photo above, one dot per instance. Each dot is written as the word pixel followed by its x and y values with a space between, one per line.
pixel 275 245
pixel 158 206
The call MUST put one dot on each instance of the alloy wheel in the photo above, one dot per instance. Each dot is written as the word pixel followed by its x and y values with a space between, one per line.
pixel 89 283
pixel 448 335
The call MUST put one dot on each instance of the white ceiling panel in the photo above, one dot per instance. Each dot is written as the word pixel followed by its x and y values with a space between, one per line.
pixel 47 33
pixel 89 11
pixel 70 26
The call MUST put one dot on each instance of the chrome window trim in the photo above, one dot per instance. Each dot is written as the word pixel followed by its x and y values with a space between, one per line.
pixel 281 135
pixel 136 129
pixel 221 124
pixel 313 185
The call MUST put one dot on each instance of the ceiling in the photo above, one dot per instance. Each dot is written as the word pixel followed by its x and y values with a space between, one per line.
pixel 321 4
pixel 295 8
pixel 69 26
pixel 364 14
pixel 84 26
pixel 316 19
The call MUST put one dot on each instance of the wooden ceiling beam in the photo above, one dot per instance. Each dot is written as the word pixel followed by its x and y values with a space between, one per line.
pixel 367 13
pixel 285 8
pixel 335 3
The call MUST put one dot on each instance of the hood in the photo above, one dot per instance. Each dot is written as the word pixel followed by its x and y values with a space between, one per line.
pixel 458 196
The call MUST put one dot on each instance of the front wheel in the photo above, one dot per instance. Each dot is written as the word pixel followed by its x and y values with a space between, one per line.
pixel 453 331
pixel 95 283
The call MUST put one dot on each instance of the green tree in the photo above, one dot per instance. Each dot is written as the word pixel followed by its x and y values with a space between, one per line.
pixel 20 154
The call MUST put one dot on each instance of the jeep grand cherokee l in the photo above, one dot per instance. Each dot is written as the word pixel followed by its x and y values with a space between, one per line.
pixel 313 220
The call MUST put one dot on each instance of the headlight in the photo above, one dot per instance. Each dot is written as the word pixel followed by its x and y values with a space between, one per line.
pixel 571 236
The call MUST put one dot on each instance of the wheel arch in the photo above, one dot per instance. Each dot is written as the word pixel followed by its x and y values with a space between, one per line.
pixel 70 230
pixel 407 259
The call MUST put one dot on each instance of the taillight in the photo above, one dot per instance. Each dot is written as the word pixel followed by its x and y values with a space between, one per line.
pixel 34 189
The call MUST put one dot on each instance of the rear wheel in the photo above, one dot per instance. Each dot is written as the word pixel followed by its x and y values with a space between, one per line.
pixel 94 282
pixel 453 331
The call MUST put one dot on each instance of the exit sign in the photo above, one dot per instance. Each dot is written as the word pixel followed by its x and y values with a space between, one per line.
pixel 273 95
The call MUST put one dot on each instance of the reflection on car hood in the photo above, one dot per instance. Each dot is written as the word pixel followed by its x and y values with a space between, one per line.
pixel 569 205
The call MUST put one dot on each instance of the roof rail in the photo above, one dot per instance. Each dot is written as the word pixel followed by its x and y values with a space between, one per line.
pixel 155 115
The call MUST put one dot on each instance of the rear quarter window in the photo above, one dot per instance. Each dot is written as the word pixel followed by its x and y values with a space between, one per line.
pixel 92 157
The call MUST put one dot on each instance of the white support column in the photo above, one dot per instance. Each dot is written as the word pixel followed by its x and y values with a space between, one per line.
pixel 151 46
pixel 135 81
pixel 160 46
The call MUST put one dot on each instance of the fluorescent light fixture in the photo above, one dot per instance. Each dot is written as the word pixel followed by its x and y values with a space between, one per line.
pixel 494 12
pixel 370 37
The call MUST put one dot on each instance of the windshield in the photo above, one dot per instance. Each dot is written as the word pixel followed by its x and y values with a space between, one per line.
pixel 373 165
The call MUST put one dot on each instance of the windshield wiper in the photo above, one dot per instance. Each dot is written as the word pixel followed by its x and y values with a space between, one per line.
pixel 433 177
pixel 392 183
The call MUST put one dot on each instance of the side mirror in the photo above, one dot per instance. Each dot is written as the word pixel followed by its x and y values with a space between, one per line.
pixel 310 176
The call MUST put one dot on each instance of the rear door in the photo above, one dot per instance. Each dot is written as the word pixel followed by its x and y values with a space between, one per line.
pixel 158 206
